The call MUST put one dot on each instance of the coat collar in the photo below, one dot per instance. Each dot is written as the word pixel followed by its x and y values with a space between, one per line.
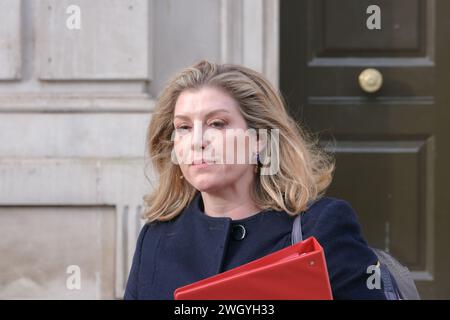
pixel 196 208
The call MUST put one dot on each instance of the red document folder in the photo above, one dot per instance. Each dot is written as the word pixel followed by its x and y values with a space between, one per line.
pixel 297 272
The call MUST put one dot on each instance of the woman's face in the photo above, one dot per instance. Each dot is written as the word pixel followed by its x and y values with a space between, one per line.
pixel 211 142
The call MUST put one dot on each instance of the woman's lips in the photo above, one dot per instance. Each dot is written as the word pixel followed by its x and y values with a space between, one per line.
pixel 202 164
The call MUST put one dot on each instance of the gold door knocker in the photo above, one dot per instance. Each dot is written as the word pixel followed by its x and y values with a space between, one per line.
pixel 370 80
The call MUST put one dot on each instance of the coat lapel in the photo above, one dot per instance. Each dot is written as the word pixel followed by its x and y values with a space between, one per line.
pixel 178 262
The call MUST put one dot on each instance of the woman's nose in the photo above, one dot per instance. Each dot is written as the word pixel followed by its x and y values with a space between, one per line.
pixel 198 139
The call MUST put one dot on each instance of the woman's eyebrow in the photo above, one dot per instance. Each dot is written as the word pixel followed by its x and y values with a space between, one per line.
pixel 182 116
pixel 216 111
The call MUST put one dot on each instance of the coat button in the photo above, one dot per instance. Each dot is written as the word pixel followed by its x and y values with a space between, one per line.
pixel 238 232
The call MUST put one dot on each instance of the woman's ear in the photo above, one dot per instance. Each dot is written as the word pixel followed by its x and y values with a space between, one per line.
pixel 262 140
pixel 260 143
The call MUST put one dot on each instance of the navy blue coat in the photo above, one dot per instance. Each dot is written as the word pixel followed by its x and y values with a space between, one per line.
pixel 194 246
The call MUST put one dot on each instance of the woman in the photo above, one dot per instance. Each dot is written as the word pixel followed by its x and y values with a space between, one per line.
pixel 211 212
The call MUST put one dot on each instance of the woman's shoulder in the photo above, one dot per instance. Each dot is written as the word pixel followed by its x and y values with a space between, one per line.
pixel 329 208
pixel 331 204
pixel 150 231
pixel 328 217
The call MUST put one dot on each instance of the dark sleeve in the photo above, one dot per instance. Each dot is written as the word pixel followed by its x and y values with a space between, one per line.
pixel 133 278
pixel 347 253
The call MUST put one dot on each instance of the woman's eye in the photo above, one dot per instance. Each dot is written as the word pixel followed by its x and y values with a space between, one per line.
pixel 217 124
pixel 182 128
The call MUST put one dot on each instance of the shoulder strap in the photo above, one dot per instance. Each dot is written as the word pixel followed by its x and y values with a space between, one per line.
pixel 297 234
pixel 297 229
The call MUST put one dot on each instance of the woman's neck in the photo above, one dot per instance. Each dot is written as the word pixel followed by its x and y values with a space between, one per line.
pixel 235 205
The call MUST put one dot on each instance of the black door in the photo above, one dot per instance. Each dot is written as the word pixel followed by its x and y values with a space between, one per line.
pixel 379 98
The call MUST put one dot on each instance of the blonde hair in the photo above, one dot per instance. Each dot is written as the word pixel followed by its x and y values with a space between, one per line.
pixel 305 170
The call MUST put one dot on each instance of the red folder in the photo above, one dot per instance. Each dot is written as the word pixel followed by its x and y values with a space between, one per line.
pixel 297 272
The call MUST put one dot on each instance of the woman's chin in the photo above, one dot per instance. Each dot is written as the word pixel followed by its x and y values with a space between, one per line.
pixel 206 184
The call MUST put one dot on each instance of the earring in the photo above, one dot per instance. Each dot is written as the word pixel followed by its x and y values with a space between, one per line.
pixel 181 177
pixel 257 163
